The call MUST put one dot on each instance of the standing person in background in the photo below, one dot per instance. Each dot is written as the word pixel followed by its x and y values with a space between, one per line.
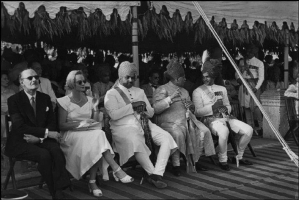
pixel 267 64
pixel 292 91
pixel 153 84
pixel 104 84
pixel 5 94
pixel 252 70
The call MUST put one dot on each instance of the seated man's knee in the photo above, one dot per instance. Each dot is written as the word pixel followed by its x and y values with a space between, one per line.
pixel 223 133
pixel 248 130
pixel 44 156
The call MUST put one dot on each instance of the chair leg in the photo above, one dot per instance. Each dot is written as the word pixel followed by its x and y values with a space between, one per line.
pixel 8 176
pixel 212 160
pixel 41 183
pixel 288 133
pixel 13 178
pixel 295 135
pixel 232 141
pixel 251 150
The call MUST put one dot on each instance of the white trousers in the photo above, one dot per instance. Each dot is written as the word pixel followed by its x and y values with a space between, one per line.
pixel 219 128
pixel 167 146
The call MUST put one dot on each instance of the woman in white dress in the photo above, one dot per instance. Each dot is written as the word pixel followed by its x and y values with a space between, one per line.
pixel 84 143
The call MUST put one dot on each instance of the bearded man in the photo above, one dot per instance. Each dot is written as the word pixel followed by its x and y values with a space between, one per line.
pixel 128 108
pixel 212 104
pixel 173 110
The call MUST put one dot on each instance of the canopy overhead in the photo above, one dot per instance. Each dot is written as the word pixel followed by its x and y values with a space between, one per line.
pixel 174 25
pixel 269 11
pixel 53 7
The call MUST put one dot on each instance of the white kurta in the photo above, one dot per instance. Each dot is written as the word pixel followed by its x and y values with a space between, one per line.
pixel 127 133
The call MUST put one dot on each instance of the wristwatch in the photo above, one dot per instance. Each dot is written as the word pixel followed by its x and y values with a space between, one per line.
pixel 41 140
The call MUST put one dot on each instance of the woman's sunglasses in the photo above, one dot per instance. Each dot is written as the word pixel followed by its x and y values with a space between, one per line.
pixel 31 77
pixel 80 82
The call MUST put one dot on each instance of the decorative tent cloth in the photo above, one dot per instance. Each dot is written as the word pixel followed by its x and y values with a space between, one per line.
pixel 87 22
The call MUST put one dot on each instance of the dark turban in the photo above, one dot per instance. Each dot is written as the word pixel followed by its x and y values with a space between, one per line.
pixel 253 49
pixel 174 69
pixel 212 67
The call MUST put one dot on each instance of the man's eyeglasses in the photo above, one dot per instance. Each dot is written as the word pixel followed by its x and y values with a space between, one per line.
pixel 31 77
pixel 156 78
pixel 80 82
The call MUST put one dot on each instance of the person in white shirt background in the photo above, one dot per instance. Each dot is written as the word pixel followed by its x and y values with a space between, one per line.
pixel 292 91
pixel 252 70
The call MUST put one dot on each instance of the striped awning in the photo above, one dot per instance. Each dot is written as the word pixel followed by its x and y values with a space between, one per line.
pixel 269 11
pixel 53 7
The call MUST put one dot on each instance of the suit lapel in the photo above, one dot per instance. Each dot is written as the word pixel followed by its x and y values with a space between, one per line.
pixel 27 107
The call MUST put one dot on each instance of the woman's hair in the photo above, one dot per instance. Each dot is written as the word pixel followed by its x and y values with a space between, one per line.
pixel 71 79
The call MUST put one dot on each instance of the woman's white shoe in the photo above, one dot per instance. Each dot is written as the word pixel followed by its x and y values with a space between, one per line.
pixel 96 192
pixel 126 179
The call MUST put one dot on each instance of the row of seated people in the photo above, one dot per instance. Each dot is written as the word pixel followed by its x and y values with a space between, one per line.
pixel 82 146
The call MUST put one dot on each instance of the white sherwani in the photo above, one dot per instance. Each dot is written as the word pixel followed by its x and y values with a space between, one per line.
pixel 203 108
pixel 127 133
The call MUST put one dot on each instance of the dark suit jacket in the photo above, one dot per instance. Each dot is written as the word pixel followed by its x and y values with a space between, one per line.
pixel 25 122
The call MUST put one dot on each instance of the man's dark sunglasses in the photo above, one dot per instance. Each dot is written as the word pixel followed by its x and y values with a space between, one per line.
pixel 80 82
pixel 156 78
pixel 31 77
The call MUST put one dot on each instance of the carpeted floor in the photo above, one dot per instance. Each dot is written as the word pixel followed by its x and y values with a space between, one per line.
pixel 273 176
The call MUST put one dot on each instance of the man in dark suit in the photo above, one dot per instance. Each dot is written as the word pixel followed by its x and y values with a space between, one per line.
pixel 150 87
pixel 33 136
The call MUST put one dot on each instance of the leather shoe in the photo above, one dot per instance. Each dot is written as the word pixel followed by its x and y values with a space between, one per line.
pixel 58 195
pixel 224 166
pixel 156 180
pixel 241 162
pixel 176 171
pixel 200 167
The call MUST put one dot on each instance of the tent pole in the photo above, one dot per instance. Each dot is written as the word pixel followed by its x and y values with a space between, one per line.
pixel 286 60
pixel 135 42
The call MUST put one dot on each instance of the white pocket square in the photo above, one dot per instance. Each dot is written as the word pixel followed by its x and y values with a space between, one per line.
pixel 47 109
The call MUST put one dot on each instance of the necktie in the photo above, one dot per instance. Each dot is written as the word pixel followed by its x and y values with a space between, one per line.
pixel 33 104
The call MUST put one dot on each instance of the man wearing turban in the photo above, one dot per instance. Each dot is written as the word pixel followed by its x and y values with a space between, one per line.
pixel 211 104
pixel 173 110
pixel 126 105
pixel 252 70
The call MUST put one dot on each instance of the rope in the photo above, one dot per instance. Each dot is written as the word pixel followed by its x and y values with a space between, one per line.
pixel 290 153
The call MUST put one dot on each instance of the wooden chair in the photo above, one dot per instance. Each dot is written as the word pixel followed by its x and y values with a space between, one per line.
pixel 12 162
pixel 293 119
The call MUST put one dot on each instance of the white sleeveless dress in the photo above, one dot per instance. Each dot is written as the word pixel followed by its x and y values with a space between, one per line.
pixel 82 149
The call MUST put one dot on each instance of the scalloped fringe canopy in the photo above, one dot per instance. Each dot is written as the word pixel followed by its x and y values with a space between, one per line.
pixel 53 7
pixel 269 11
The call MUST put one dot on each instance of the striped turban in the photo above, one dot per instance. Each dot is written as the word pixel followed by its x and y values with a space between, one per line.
pixel 174 69
pixel 126 68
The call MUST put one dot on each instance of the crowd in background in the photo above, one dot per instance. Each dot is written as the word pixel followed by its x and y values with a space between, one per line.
pixel 103 67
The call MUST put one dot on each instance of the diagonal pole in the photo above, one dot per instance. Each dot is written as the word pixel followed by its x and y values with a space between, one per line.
pixel 290 153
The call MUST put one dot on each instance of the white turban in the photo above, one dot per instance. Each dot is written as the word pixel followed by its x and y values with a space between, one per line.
pixel 126 68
